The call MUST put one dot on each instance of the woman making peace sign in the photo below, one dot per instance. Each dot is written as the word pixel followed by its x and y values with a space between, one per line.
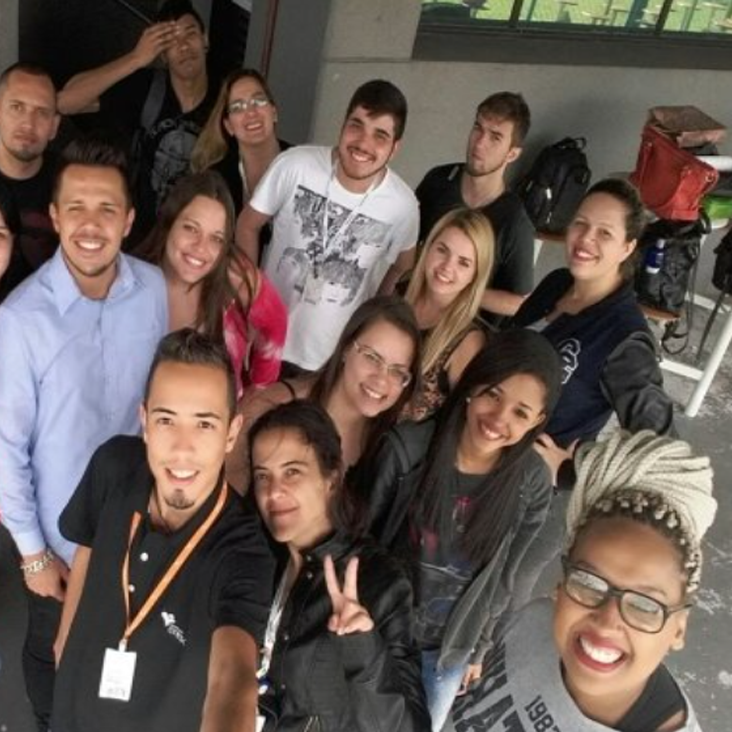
pixel 338 653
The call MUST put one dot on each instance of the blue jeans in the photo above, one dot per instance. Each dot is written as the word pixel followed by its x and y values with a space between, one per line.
pixel 440 686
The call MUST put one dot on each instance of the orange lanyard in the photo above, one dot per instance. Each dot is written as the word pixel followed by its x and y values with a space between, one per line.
pixel 132 624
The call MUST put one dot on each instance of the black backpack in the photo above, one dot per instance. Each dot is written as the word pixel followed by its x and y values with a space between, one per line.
pixel 555 184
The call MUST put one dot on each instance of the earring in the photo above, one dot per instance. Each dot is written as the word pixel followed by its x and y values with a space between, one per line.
pixel 468 400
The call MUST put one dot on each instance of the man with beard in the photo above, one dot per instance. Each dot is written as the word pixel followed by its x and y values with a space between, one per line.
pixel 495 141
pixel 77 338
pixel 338 213
pixel 171 582
pixel 28 122
pixel 161 113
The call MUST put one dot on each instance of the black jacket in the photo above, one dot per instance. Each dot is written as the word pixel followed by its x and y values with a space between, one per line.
pixel 609 361
pixel 362 682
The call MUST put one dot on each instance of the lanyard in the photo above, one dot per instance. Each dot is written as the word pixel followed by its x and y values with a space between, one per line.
pixel 326 240
pixel 132 624
pixel 273 621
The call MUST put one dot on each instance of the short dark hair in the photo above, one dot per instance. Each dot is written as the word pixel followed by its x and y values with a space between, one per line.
pixel 9 209
pixel 635 216
pixel 24 68
pixel 381 97
pixel 174 9
pixel 188 346
pixel 93 151
pixel 317 430
pixel 509 107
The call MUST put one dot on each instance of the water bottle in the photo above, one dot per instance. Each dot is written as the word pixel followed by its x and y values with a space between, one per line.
pixel 654 257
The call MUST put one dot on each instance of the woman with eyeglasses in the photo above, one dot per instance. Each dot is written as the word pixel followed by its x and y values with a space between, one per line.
pixel 593 659
pixel 461 496
pixel 445 291
pixel 363 386
pixel 339 654
pixel 239 139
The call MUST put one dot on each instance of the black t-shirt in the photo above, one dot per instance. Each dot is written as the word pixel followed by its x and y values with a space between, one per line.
pixel 166 147
pixel 227 581
pixel 37 241
pixel 439 192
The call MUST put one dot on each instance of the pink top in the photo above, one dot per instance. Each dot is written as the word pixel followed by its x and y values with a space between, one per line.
pixel 255 341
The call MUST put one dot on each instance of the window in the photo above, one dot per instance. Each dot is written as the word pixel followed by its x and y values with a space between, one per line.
pixel 610 32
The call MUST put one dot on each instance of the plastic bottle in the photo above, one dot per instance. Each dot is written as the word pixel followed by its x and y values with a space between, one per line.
pixel 654 257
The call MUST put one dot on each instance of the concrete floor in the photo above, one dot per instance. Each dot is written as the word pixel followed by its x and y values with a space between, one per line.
pixel 704 668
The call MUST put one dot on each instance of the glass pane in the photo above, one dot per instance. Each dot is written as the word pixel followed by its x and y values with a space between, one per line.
pixel 688 16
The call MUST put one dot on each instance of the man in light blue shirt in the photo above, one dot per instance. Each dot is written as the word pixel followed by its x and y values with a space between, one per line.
pixel 76 339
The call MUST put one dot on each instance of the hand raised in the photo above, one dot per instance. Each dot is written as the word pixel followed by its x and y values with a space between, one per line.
pixel 154 40
pixel 349 616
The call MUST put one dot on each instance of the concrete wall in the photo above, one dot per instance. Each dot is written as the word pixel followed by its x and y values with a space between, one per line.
pixel 8 32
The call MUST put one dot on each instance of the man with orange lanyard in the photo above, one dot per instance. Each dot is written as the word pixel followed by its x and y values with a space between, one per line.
pixel 170 587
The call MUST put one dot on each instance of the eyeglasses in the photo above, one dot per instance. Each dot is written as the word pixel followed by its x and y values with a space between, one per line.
pixel 239 106
pixel 639 611
pixel 398 375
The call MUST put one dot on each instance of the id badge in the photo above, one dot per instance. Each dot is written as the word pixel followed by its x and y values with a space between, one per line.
pixel 260 722
pixel 118 674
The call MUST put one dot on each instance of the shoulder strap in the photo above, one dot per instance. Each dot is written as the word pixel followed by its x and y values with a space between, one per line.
pixel 154 100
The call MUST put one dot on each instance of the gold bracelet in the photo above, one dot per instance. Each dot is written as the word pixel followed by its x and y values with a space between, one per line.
pixel 38 565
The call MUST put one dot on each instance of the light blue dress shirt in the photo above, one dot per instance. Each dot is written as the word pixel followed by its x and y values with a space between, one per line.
pixel 72 375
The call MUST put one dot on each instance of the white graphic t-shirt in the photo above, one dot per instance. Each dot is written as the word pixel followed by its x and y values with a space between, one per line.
pixel 325 260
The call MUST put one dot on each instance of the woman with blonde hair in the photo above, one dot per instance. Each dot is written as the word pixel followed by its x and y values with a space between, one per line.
pixel 239 140
pixel 445 292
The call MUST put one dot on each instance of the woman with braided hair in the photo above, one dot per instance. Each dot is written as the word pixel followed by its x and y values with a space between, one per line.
pixel 593 660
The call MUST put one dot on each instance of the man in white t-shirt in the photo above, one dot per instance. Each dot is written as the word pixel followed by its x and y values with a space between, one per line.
pixel 344 225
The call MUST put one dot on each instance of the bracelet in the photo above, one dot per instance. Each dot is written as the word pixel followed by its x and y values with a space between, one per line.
pixel 38 565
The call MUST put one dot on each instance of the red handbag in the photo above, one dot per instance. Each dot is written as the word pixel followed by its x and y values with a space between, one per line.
pixel 671 180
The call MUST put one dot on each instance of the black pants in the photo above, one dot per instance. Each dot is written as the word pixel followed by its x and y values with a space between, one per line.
pixel 39 667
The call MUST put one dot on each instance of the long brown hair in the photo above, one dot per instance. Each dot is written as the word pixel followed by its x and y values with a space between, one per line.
pixel 217 292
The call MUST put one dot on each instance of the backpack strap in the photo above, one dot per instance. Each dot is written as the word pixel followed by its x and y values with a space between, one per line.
pixel 154 100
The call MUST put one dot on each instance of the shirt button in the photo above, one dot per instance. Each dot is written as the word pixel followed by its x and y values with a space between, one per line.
pixel 286 637
pixel 132 588
pixel 282 687
pixel 309 575
pixel 144 557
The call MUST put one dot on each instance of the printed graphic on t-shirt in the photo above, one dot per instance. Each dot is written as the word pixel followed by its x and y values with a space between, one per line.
pixel 331 269
pixel 174 143
pixel 569 352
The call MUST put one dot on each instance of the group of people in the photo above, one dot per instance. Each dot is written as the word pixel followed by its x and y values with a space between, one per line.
pixel 296 458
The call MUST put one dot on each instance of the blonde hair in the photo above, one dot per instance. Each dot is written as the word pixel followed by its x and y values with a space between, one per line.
pixel 213 141
pixel 464 308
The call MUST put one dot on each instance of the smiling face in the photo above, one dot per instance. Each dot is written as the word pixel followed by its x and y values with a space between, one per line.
pixel 370 380
pixel 291 491
pixel 196 241
pixel 186 59
pixel 188 431
pixel 596 245
pixel 28 117
pixel 365 147
pixel 606 662
pixel 450 264
pixel 91 215
pixel 6 245
pixel 500 416
pixel 490 147
pixel 254 125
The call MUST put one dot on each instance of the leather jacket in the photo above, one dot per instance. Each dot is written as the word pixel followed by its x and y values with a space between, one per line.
pixel 361 682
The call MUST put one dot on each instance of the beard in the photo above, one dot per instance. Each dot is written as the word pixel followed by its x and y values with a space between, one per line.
pixel 178 501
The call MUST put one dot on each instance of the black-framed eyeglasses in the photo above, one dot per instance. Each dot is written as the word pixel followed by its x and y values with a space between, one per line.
pixel 399 375
pixel 238 106
pixel 639 611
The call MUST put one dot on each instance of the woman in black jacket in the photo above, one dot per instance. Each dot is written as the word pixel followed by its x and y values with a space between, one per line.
pixel 338 653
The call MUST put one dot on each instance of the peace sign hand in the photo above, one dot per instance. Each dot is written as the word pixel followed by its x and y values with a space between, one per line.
pixel 348 615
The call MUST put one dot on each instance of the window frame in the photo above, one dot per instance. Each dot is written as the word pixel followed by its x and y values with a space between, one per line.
pixel 515 41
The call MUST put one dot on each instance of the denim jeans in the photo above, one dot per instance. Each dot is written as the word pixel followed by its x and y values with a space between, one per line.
pixel 440 686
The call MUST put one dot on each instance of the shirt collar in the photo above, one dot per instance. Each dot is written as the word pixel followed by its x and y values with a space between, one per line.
pixel 65 290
